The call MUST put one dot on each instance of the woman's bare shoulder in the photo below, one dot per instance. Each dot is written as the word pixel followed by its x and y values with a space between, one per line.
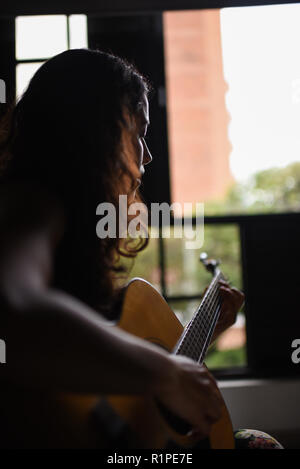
pixel 29 207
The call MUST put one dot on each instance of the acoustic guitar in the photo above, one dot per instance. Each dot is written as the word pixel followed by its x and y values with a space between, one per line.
pixel 135 421
pixel 138 421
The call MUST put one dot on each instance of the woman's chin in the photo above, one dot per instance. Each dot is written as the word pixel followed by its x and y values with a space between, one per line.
pixel 132 196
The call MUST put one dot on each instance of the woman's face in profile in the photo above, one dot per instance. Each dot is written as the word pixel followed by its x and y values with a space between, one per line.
pixel 142 122
pixel 136 149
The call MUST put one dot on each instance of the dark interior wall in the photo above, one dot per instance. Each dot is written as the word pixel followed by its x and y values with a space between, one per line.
pixel 7 59
pixel 271 260
pixel 19 7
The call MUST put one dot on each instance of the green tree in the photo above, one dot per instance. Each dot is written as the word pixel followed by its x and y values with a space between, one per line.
pixel 272 190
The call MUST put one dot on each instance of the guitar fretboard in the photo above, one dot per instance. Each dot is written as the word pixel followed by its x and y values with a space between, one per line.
pixel 197 335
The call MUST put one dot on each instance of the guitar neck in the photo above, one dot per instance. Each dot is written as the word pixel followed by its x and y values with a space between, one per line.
pixel 197 335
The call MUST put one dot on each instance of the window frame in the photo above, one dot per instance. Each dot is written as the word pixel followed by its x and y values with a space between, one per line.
pixel 39 60
pixel 90 7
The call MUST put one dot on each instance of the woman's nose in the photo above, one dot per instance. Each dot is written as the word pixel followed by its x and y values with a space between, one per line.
pixel 147 157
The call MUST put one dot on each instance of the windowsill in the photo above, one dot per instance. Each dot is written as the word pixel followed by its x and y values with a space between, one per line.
pixel 270 405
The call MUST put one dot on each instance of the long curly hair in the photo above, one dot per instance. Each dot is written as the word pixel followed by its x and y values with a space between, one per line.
pixel 66 134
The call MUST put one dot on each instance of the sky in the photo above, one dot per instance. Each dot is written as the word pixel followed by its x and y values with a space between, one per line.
pixel 261 58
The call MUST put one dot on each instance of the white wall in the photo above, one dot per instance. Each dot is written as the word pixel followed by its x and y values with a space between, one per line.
pixel 272 406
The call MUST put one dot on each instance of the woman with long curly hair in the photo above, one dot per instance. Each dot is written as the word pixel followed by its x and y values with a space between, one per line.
pixel 74 140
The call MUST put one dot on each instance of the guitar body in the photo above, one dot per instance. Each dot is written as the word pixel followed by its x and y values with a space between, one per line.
pixel 147 315
pixel 89 421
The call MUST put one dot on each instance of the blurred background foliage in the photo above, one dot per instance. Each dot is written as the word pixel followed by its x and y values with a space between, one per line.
pixel 274 190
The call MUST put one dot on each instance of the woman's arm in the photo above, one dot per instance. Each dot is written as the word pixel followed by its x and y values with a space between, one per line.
pixel 55 342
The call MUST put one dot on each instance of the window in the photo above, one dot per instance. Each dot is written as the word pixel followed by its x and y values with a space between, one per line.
pixel 200 164
pixel 55 34
pixel 232 86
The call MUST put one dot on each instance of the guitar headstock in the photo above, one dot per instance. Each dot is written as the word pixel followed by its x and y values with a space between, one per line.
pixel 210 264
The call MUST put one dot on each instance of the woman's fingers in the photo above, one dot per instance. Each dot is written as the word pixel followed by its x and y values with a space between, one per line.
pixel 232 301
pixel 232 294
pixel 193 395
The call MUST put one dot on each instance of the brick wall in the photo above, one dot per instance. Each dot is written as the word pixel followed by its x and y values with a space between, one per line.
pixel 197 119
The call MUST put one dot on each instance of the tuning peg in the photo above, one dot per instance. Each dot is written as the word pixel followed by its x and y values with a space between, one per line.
pixel 203 257
pixel 210 264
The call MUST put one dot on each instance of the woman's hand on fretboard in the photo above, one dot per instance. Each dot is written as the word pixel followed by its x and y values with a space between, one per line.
pixel 232 301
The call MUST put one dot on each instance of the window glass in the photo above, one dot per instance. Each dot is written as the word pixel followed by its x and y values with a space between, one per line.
pixel 40 36
pixel 233 95
pixel 52 34
pixel 199 146
pixel 262 66
pixel 24 73
pixel 78 31
pixel 185 274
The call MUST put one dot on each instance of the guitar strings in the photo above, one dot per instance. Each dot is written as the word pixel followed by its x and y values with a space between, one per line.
pixel 196 337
